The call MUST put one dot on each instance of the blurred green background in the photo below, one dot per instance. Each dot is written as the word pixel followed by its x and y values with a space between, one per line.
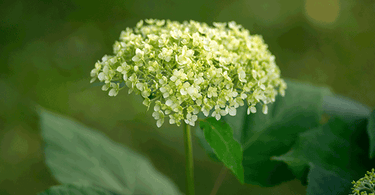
pixel 49 47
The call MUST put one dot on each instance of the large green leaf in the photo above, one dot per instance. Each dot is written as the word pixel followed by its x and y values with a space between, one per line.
pixel 77 154
pixel 336 154
pixel 265 135
pixel 220 137
pixel 371 133
pixel 70 189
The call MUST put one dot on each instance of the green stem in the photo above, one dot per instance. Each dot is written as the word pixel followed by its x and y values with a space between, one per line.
pixel 189 160
pixel 219 180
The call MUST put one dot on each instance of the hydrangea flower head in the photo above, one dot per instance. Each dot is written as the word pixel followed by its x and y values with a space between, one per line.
pixel 191 67
pixel 365 184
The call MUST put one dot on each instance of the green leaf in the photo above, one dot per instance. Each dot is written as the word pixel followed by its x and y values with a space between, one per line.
pixel 336 154
pixel 275 133
pixel 344 108
pixel 204 144
pixel 77 154
pixel 371 133
pixel 298 166
pixel 323 181
pixel 220 137
pixel 70 189
pixel 263 136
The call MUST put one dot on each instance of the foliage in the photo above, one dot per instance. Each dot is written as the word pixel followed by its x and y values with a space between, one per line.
pixel 79 155
pixel 47 49
pixel 293 141
pixel 371 133
pixel 220 136
pixel 70 189
pixel 264 136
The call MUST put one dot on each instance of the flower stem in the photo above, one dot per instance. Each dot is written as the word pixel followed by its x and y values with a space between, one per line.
pixel 189 160
pixel 219 180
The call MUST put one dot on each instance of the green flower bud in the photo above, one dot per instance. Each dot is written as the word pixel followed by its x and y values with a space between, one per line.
pixel 365 185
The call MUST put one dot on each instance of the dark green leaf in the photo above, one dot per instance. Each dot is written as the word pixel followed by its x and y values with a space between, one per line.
pixel 335 155
pixel 70 189
pixel 298 166
pixel 77 154
pixel 265 135
pixel 275 133
pixel 323 181
pixel 371 133
pixel 220 137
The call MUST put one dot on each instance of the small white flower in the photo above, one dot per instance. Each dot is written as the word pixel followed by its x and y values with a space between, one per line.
pixel 166 54
pixel 93 80
pixel 140 24
pixel 183 91
pixel 140 86
pixel 232 111
pixel 217 113
pixel 159 122
pixel 105 87
pixel 138 55
pixel 160 22
pixel 158 115
pixel 101 76
pixel 115 89
pixel 212 92
pixel 242 76
pixel 206 110
pixel 251 109
pixel 146 102
pixel 169 102
pixel 191 118
pixel 94 72
pixel 105 58
pixel 265 109
pixel 176 34
pixel 112 92
pixel 152 37
pixel 224 112
pixel 254 74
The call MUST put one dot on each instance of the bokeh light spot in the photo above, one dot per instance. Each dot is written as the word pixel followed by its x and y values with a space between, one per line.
pixel 322 11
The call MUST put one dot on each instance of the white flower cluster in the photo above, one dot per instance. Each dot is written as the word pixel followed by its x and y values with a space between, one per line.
pixel 189 67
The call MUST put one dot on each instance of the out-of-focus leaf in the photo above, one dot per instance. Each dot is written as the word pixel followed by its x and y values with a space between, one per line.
pixel 345 108
pixel 334 155
pixel 371 133
pixel 298 166
pixel 220 137
pixel 70 189
pixel 77 154
pixel 332 181
pixel 265 135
